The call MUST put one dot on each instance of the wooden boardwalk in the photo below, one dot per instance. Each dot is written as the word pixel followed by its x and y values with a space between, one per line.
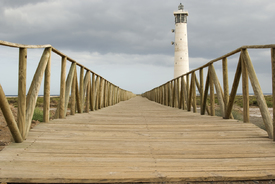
pixel 140 141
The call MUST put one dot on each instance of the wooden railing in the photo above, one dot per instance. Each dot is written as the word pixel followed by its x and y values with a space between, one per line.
pixel 93 92
pixel 181 92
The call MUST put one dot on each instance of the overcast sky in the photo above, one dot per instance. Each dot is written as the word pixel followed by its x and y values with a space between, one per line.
pixel 128 42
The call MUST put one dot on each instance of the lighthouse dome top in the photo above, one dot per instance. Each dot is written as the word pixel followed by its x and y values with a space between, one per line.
pixel 180 7
pixel 181 10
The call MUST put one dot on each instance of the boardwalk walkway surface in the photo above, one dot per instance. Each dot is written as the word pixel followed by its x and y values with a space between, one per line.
pixel 140 141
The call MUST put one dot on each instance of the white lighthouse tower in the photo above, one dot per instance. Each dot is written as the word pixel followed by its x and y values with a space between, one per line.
pixel 181 62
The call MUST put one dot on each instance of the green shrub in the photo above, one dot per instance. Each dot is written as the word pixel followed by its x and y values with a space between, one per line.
pixel 269 104
pixel 37 115
pixel 237 115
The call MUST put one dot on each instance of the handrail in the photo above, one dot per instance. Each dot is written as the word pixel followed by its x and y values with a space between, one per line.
pixel 93 92
pixel 181 91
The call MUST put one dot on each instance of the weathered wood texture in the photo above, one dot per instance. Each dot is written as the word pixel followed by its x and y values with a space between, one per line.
pixel 139 141
pixel 273 87
pixel 22 77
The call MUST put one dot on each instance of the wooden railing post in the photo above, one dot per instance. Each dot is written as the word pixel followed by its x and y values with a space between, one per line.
pixel 212 95
pixel 96 91
pixel 87 102
pixel 245 93
pixel 62 88
pixel 176 92
pixel 201 89
pixel 170 93
pixel 273 87
pixel 21 113
pixel 81 88
pixel 73 94
pixel 205 94
pixel 77 95
pixel 187 87
pixel 93 93
pixel 194 92
pixel 167 94
pixel 47 93
pixel 258 93
pixel 225 82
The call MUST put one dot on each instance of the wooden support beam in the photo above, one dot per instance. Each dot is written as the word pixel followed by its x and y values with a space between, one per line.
pixel 167 94
pixel 245 88
pixel 225 82
pixel 62 88
pixel 5 107
pixel 47 91
pixel 201 94
pixel 194 92
pixel 234 89
pixel 77 95
pixel 100 93
pixel 273 87
pixel 34 89
pixel 205 95
pixel 190 93
pixel 69 82
pixel 212 94
pixel 22 75
pixel 258 93
pixel 93 93
pixel 170 94
pixel 218 88
pixel 187 87
pixel 87 107
pixel 184 93
pixel 96 91
pixel 73 95
pixel 176 93
pixel 201 87
pixel 81 88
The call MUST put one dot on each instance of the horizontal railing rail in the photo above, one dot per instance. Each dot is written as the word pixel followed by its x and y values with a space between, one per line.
pixel 89 93
pixel 181 91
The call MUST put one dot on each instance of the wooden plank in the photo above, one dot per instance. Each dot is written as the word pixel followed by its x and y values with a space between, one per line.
pixel 22 76
pixel 139 141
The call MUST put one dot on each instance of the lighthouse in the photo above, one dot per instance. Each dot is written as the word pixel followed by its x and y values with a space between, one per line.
pixel 181 62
